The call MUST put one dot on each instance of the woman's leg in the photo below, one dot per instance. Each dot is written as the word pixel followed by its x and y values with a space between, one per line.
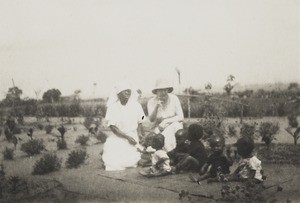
pixel 169 133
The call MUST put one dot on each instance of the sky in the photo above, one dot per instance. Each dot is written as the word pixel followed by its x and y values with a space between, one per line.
pixel 92 44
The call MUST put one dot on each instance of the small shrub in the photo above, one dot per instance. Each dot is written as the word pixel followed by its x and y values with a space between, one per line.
pixel 33 147
pixel 48 128
pixel 88 122
pixel 267 131
pixel 15 184
pixel 47 164
pixel 8 153
pixel 293 121
pixel 248 130
pixel 61 144
pixel 82 140
pixel 76 157
pixel 40 126
pixel 231 131
pixel 62 130
pixel 101 136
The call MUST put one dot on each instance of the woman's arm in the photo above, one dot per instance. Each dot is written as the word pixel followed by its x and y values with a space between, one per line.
pixel 152 109
pixel 121 134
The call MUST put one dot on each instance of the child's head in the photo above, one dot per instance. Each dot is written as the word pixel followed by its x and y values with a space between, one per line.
pixel 195 132
pixel 217 143
pixel 148 139
pixel 158 141
pixel 181 136
pixel 245 146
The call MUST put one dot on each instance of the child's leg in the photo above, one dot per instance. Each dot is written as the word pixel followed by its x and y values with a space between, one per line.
pixel 189 163
pixel 199 178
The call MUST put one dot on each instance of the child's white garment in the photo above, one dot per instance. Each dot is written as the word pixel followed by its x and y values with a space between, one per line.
pixel 158 155
pixel 248 165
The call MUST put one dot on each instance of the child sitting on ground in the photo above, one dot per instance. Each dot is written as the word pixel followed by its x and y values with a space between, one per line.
pixel 160 160
pixel 197 155
pixel 217 161
pixel 181 149
pixel 147 151
pixel 250 166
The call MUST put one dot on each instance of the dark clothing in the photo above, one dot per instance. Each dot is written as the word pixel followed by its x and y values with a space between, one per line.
pixel 218 160
pixel 180 152
pixel 197 150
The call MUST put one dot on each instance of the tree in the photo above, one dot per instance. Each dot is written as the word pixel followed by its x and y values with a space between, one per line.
pixel 52 95
pixel 293 86
pixel 13 95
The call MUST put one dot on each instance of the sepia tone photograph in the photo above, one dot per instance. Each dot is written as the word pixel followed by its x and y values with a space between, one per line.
pixel 149 101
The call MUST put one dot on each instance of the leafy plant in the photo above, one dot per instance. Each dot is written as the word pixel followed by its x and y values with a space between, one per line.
pixel 33 147
pixel 231 131
pixel 267 131
pixel 88 121
pixel 15 184
pixel 8 153
pixel 248 130
pixel 62 130
pixel 82 140
pixel 76 157
pixel 61 144
pixel 48 128
pixel 40 126
pixel 47 164
pixel 293 123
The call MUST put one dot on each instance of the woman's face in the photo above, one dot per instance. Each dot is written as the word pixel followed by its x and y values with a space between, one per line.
pixel 162 94
pixel 124 96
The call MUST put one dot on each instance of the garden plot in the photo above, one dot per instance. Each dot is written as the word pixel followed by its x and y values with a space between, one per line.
pixel 90 182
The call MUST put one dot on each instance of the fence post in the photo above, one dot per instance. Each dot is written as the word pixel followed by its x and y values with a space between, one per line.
pixel 189 107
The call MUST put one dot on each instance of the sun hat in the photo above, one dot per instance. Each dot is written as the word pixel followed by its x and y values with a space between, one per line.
pixel 162 84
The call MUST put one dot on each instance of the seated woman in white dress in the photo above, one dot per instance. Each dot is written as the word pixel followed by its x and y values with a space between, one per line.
pixel 124 117
pixel 165 112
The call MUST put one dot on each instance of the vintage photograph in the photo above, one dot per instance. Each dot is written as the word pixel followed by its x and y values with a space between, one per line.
pixel 150 101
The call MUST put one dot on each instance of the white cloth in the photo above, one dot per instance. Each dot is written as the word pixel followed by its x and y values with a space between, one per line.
pixel 248 165
pixel 158 155
pixel 118 153
pixel 171 109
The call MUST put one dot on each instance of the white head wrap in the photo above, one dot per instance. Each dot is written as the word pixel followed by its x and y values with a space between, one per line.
pixel 119 87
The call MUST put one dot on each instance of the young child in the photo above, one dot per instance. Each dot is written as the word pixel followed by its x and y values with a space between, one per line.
pixel 160 160
pixel 217 161
pixel 147 152
pixel 181 149
pixel 197 155
pixel 250 166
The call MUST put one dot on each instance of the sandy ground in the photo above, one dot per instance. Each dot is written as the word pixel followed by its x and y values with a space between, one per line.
pixel 91 183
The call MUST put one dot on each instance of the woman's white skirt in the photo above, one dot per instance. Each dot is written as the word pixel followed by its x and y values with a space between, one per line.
pixel 118 154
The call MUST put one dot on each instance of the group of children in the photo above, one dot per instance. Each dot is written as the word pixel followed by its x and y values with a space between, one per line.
pixel 191 155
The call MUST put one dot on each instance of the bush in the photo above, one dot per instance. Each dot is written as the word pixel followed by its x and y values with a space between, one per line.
pixel 293 121
pixel 76 157
pixel 48 129
pixel 32 147
pixel 88 121
pixel 48 163
pixel 231 131
pixel 61 144
pixel 82 140
pixel 8 153
pixel 15 184
pixel 40 126
pixel 248 130
pixel 267 130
